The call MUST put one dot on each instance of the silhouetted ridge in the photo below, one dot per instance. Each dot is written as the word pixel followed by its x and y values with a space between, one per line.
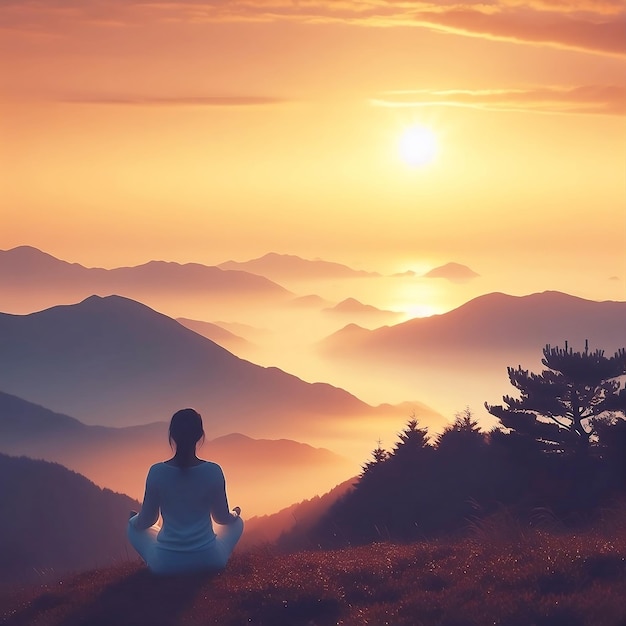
pixel 20 419
pixel 59 521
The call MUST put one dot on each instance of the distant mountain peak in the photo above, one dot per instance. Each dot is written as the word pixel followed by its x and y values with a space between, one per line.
pixel 355 307
pixel 30 255
pixel 279 255
pixel 455 272
pixel 27 256
pixel 113 302
pixel 25 249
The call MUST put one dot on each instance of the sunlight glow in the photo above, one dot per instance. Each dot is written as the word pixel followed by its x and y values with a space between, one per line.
pixel 421 310
pixel 418 146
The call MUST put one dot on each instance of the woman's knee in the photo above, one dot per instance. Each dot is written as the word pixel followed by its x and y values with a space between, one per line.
pixel 235 530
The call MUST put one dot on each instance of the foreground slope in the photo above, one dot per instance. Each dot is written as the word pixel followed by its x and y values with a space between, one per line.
pixel 56 520
pixel 508 578
pixel 291 527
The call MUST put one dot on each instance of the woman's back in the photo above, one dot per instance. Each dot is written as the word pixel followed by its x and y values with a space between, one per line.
pixel 190 494
pixel 186 497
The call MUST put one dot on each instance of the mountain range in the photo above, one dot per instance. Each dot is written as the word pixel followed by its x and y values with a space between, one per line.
pixel 461 357
pixel 491 323
pixel 263 475
pixel 116 362
pixel 287 267
pixel 31 279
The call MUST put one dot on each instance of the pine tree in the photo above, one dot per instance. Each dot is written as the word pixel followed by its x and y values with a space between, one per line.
pixel 379 455
pixel 557 408
pixel 462 469
pixel 411 440
pixel 462 434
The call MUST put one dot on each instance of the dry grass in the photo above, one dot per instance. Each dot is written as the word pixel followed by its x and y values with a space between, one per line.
pixel 519 578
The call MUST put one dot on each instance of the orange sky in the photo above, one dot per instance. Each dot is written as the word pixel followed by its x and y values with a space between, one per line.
pixel 197 131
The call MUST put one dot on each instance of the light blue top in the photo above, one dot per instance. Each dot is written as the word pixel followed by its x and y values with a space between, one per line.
pixel 187 499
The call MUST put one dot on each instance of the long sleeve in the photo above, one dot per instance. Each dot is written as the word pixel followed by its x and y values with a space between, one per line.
pixel 149 513
pixel 219 503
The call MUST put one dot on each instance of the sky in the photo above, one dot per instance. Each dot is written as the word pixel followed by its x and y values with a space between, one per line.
pixel 205 131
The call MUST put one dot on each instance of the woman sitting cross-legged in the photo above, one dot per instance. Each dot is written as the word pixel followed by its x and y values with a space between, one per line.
pixel 190 494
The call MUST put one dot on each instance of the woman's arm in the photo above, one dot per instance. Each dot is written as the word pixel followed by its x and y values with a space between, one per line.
pixel 149 513
pixel 220 511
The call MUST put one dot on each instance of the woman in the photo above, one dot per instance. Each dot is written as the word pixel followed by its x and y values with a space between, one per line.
pixel 188 492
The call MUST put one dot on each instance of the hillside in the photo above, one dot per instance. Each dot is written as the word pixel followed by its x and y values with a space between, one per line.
pixel 294 470
pixel 499 576
pixel 55 520
pixel 290 526
pixel 116 362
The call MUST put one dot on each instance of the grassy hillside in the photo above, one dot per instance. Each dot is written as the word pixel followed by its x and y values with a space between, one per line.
pixel 502 574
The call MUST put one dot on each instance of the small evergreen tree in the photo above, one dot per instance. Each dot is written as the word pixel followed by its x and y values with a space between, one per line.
pixel 379 455
pixel 411 439
pixel 557 408
pixel 464 433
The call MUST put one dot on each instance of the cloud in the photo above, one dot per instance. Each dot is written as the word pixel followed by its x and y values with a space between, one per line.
pixel 191 101
pixel 558 29
pixel 596 26
pixel 598 99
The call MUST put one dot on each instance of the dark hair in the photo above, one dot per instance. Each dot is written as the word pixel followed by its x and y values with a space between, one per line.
pixel 186 429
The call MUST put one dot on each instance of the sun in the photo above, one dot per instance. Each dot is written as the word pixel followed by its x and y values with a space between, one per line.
pixel 418 146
